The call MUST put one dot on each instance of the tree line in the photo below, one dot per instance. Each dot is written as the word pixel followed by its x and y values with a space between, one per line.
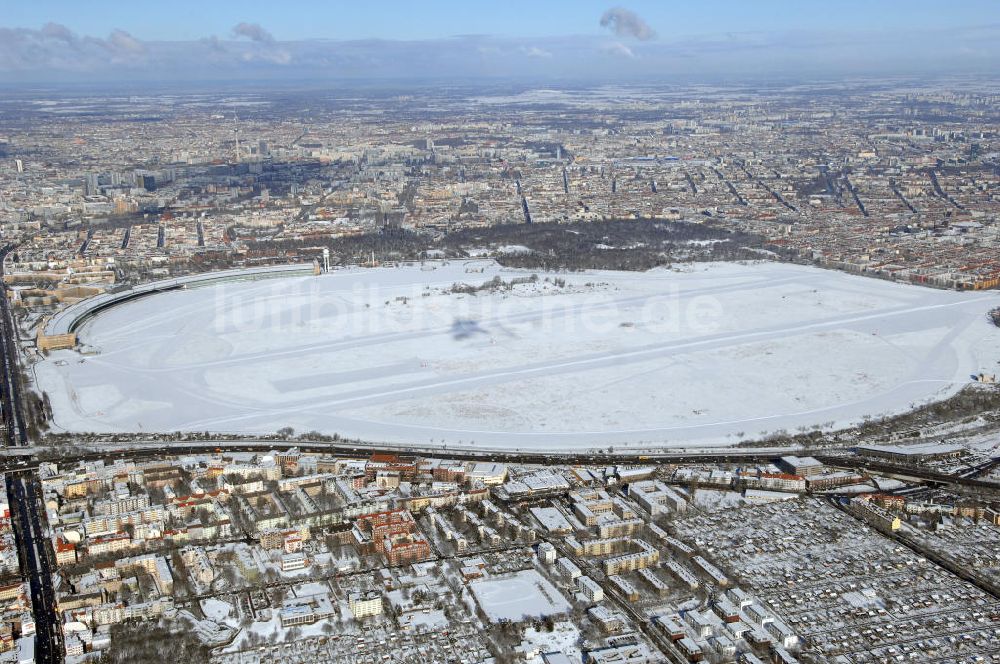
pixel 607 245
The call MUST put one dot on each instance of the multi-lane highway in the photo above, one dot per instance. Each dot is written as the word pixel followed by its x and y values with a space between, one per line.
pixel 912 473
pixel 24 458
pixel 36 565
pixel 13 413
pixel 25 499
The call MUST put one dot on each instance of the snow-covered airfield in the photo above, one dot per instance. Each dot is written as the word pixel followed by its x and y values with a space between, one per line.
pixel 708 355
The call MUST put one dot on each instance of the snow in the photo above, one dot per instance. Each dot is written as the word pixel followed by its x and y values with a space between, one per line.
pixel 311 588
pixel 709 355
pixel 551 519
pixel 272 630
pixel 714 501
pixel 564 638
pixel 209 631
pixel 514 249
pixel 421 621
pixel 521 596
pixel 216 609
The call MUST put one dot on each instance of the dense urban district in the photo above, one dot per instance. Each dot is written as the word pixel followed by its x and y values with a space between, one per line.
pixel 315 556
pixel 896 178
pixel 870 541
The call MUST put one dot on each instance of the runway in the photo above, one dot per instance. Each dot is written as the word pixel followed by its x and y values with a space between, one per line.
pixel 710 354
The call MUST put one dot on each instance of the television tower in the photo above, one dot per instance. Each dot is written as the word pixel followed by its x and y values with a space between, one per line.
pixel 236 132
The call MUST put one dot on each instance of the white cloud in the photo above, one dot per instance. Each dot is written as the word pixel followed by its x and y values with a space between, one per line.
pixel 123 41
pixel 535 52
pixel 55 46
pixel 53 53
pixel 617 49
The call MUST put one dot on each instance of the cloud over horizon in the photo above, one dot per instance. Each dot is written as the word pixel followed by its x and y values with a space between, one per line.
pixel 53 52
pixel 617 48
pixel 253 32
pixel 626 23
pixel 56 47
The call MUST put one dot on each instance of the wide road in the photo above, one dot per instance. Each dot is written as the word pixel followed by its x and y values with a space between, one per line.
pixel 25 498
pixel 27 459
pixel 13 412
pixel 913 473
pixel 32 543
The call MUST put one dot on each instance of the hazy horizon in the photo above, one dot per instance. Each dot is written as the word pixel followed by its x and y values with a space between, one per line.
pixel 555 41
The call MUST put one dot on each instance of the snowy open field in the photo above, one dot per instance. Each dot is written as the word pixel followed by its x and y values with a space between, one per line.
pixel 520 596
pixel 704 356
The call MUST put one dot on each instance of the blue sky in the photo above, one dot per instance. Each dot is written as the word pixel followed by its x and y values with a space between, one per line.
pixel 430 19
pixel 50 40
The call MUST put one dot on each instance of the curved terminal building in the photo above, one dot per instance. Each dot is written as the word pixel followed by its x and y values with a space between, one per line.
pixel 59 332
